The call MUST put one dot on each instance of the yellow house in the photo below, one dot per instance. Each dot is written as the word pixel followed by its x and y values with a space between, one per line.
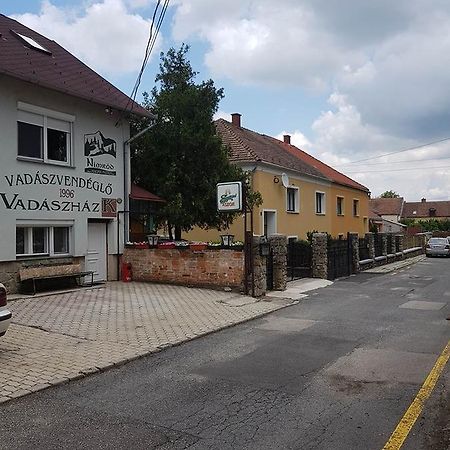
pixel 300 193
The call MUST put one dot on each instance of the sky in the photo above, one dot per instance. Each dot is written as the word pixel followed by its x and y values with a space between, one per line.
pixel 349 80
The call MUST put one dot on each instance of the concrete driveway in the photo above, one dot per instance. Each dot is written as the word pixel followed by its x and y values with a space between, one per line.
pixel 56 338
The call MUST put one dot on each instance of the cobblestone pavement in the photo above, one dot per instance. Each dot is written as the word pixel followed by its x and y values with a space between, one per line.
pixel 56 338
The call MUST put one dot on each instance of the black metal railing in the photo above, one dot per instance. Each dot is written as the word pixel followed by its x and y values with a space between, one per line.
pixel 378 242
pixel 339 258
pixel 363 245
pixel 299 260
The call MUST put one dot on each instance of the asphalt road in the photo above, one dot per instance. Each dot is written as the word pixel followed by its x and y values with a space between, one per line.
pixel 336 371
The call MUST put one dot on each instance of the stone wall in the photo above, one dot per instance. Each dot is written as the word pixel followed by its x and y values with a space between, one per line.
pixel 260 269
pixel 9 271
pixel 202 268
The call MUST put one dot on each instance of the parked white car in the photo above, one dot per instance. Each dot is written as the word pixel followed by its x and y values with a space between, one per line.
pixel 5 313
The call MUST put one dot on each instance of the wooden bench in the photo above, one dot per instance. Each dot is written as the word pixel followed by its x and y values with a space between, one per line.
pixel 51 272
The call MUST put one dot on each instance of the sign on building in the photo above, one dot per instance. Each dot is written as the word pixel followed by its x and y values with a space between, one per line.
pixel 229 196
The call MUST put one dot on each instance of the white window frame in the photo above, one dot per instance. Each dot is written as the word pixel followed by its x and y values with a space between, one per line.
pixel 296 209
pixel 342 213
pixel 323 203
pixel 46 114
pixel 49 238
pixel 357 207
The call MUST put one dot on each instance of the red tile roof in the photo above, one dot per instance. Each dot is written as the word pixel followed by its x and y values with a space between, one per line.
pixel 422 209
pixel 138 193
pixel 387 206
pixel 59 70
pixel 249 146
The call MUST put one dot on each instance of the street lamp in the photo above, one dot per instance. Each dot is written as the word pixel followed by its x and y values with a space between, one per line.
pixel 227 239
pixel 152 240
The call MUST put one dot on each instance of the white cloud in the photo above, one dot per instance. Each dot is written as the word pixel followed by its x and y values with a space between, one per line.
pixel 382 63
pixel 222 115
pixel 297 138
pixel 104 35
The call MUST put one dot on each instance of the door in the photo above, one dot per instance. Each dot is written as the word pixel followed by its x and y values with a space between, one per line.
pixel 96 255
pixel 269 223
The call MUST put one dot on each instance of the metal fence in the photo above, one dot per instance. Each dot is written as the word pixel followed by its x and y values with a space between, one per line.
pixel 339 258
pixel 363 249
pixel 299 259
pixel 378 242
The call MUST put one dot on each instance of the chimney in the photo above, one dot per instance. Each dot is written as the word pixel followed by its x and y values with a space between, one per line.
pixel 423 200
pixel 287 138
pixel 236 119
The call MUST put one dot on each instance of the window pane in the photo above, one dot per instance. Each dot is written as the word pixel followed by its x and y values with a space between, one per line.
pixel 30 140
pixel 319 198
pixel 61 239
pixel 39 240
pixel 56 145
pixel 20 241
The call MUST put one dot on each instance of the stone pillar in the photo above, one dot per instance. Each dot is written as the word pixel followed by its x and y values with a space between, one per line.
pixel 354 246
pixel 384 249
pixel 399 242
pixel 392 249
pixel 259 269
pixel 370 240
pixel 320 255
pixel 278 245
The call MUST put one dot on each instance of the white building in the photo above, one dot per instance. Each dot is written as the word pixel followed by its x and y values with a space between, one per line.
pixel 64 159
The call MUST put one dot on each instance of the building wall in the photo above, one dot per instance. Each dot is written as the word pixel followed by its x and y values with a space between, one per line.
pixel 49 194
pixel 267 181
pixel 348 222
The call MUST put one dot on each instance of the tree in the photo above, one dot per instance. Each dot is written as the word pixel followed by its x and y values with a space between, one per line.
pixel 389 194
pixel 181 158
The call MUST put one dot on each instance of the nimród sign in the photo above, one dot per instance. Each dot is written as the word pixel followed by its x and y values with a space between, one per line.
pixel 229 196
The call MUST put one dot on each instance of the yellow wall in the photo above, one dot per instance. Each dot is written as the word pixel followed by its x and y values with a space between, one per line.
pixel 298 224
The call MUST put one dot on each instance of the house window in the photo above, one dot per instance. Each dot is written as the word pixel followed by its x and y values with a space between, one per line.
pixel 292 199
pixel 42 241
pixel 320 202
pixel 44 135
pixel 356 207
pixel 340 206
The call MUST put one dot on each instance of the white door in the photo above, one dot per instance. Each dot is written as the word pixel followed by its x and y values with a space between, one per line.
pixel 96 255
pixel 269 223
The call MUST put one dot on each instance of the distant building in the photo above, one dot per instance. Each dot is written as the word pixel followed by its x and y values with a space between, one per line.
pixel 385 214
pixel 426 210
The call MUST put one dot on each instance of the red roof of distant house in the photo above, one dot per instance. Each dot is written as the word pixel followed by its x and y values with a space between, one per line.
pixel 387 206
pixel 56 69
pixel 426 209
pixel 247 145
pixel 138 193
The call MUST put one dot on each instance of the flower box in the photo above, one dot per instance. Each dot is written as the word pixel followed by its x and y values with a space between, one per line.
pixel 141 245
pixel 198 246
pixel 166 245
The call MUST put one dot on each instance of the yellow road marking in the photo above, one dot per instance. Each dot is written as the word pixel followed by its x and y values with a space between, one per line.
pixel 413 412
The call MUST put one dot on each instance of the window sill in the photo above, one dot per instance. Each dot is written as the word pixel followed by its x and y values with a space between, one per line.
pixel 340 215
pixel 293 212
pixel 43 255
pixel 320 214
pixel 47 163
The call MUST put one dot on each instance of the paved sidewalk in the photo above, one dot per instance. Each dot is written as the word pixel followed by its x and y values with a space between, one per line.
pixel 56 338
pixel 391 267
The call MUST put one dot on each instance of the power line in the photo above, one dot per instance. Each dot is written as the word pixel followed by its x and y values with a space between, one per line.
pixel 404 161
pixel 398 170
pixel 396 152
pixel 148 51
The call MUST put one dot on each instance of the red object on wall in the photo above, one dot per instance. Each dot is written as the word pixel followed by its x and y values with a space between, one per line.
pixel 127 274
